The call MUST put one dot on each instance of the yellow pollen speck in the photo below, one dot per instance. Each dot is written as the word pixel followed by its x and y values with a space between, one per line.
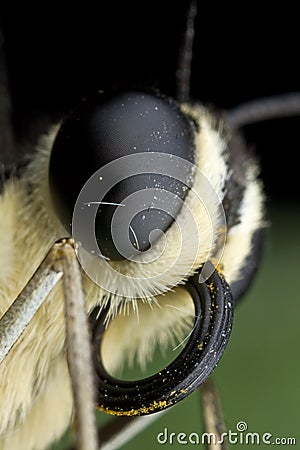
pixel 218 265
pixel 219 268
pixel 137 412
pixel 211 287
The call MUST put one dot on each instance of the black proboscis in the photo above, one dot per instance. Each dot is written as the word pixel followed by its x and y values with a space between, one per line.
pixel 209 337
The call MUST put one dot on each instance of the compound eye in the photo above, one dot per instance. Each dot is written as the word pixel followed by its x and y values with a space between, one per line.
pixel 105 129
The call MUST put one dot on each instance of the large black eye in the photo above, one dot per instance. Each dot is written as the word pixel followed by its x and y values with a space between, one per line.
pixel 109 127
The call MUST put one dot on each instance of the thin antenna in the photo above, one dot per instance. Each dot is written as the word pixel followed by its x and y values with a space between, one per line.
pixel 183 72
pixel 269 108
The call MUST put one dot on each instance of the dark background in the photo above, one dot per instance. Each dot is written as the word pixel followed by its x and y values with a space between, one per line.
pixel 56 56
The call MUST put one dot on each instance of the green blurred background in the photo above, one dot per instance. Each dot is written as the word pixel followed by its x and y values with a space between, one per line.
pixel 258 377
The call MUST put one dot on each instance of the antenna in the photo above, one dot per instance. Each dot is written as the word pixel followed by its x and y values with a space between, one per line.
pixel 183 72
